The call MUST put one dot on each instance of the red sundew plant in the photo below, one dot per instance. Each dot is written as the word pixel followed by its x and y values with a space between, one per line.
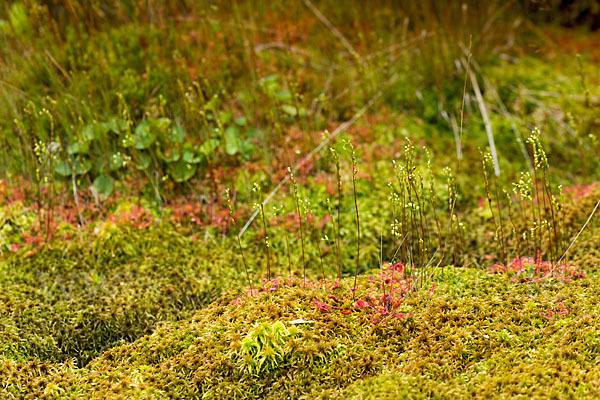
pixel 121 210
pixel 381 298
pixel 578 191
pixel 527 269
pixel 21 226
pixel 324 179
pixel 136 216
pixel 185 212
pixel 559 312
pixel 11 194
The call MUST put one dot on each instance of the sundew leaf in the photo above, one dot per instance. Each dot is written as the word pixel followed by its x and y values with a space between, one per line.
pixel 181 171
pixel 104 185
pixel 232 139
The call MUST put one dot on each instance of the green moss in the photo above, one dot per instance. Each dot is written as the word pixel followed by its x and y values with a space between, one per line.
pixel 475 335
pixel 77 299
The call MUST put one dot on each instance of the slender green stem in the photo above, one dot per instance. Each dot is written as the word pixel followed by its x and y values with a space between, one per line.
pixel 354 172
pixel 239 240
pixel 300 221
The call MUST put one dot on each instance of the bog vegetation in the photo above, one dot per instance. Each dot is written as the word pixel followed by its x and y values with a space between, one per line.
pixel 299 200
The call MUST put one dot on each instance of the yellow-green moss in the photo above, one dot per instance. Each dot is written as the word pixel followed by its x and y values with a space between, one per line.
pixel 475 336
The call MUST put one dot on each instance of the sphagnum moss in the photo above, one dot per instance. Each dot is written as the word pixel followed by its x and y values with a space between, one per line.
pixel 456 343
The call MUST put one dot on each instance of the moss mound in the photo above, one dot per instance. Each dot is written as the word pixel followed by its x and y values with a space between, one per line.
pixel 76 299
pixel 474 334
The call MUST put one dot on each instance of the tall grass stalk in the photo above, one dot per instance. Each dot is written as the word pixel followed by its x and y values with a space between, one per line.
pixel 433 208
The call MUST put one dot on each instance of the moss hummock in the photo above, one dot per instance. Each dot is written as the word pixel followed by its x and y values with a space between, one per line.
pixel 472 335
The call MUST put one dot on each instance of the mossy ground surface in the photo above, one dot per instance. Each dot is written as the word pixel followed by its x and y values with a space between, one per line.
pixel 474 335
pixel 111 314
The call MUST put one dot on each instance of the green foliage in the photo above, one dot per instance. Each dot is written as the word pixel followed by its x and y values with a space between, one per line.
pixel 15 219
pixel 265 349
pixel 18 23
pixel 104 185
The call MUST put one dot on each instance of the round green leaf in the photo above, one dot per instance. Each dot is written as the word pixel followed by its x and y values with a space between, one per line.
pixel 161 125
pixel 142 137
pixel 89 132
pixel 290 110
pixel 143 161
pixel 104 185
pixel 177 134
pixel 115 161
pixel 232 140
pixel 78 148
pixel 241 121
pixel 171 155
pixel 283 95
pixel 190 156
pixel 209 146
pixel 63 168
pixel 82 165
pixel 182 171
